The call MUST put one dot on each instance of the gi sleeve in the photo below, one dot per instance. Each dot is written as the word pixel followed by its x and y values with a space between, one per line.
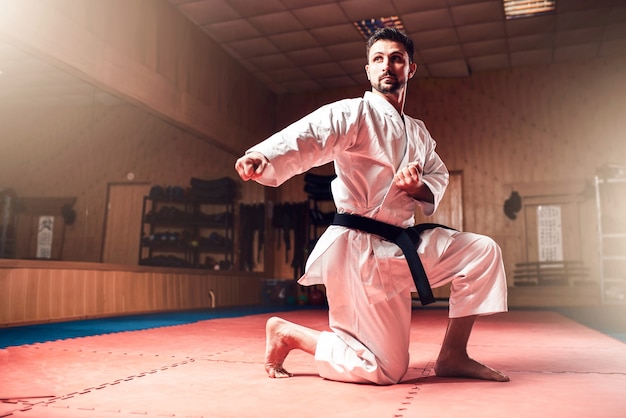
pixel 310 142
pixel 435 175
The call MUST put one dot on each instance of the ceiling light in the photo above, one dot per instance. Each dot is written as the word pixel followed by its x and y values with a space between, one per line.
pixel 527 8
pixel 368 26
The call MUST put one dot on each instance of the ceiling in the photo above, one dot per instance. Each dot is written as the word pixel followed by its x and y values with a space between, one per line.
pixel 303 45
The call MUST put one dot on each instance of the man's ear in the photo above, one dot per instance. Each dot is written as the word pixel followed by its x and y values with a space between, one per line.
pixel 412 69
pixel 367 72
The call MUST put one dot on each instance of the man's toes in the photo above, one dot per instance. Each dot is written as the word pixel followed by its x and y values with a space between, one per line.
pixel 280 372
pixel 277 372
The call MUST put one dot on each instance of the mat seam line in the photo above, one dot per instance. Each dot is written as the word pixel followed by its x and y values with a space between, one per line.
pixel 414 390
pixel 27 406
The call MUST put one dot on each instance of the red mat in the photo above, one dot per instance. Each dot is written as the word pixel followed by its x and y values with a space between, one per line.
pixel 214 368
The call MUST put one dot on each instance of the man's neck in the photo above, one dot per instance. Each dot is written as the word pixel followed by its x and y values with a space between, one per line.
pixel 395 99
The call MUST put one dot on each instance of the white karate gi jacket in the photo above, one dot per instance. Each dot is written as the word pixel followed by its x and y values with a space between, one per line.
pixel 368 282
pixel 369 142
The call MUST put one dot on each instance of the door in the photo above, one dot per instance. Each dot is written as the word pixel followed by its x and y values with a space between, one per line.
pixel 450 213
pixel 123 222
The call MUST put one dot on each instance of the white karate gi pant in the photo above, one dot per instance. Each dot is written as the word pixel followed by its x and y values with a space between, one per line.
pixel 370 341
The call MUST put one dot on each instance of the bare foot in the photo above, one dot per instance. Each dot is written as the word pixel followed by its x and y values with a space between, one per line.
pixel 277 346
pixel 468 368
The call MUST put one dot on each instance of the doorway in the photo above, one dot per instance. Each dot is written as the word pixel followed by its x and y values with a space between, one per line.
pixel 122 227
pixel 450 210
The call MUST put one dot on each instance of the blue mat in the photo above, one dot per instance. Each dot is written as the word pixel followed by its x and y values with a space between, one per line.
pixel 30 334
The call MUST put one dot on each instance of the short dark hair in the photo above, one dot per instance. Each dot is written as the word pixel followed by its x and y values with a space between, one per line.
pixel 390 34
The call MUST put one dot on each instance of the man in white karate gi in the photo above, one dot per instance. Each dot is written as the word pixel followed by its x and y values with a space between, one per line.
pixel 386 165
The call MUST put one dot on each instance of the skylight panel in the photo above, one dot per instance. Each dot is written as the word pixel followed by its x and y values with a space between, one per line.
pixel 527 8
pixel 368 26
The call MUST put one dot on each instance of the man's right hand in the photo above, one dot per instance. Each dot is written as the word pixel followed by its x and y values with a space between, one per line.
pixel 251 165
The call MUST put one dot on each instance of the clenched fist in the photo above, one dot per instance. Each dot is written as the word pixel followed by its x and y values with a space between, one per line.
pixel 409 179
pixel 251 165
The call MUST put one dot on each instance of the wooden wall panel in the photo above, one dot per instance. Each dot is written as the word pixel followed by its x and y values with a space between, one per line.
pixel 531 125
pixel 36 292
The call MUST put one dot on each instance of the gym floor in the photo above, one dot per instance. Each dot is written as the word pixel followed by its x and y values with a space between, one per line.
pixel 210 364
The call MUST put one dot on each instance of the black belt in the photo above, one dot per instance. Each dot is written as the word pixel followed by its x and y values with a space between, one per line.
pixel 406 239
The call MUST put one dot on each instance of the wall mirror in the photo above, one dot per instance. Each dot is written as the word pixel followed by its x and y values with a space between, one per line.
pixel 78 161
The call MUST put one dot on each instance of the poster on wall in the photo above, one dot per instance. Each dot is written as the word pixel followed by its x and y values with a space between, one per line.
pixel 550 233
pixel 44 236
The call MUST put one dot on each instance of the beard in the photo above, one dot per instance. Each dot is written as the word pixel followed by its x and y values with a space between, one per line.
pixel 388 86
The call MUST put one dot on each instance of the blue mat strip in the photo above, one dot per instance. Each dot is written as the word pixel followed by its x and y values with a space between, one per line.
pixel 30 334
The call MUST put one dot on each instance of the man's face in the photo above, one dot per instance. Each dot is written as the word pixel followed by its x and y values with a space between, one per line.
pixel 388 67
